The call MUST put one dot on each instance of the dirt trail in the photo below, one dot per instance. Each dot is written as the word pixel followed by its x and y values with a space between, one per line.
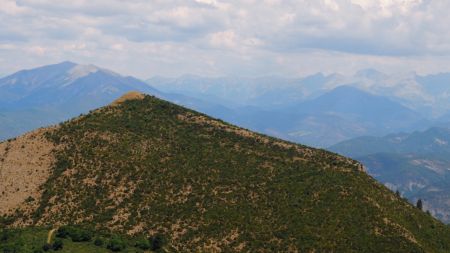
pixel 50 234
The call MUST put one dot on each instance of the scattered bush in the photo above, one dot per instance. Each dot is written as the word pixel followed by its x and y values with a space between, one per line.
pixel 75 233
pixel 98 242
pixel 46 247
pixel 62 232
pixel 4 235
pixel 143 244
pixel 116 244
pixel 157 242
pixel 81 236
pixel 57 245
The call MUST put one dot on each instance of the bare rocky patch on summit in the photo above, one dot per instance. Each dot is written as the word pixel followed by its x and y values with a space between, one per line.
pixel 132 95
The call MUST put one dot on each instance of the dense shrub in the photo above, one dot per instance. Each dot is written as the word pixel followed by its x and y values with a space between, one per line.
pixel 4 235
pixel 143 244
pixel 46 247
pixel 98 242
pixel 81 236
pixel 116 244
pixel 57 245
pixel 62 232
pixel 157 242
pixel 75 233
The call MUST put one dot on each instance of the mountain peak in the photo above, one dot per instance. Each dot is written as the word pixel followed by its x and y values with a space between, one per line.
pixel 78 71
pixel 67 63
pixel 370 73
pixel 155 166
pixel 131 95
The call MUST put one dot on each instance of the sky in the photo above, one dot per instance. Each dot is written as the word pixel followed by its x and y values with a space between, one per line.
pixel 146 38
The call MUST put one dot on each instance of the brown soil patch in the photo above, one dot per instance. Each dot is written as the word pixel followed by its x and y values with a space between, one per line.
pixel 132 95
pixel 402 230
pixel 25 164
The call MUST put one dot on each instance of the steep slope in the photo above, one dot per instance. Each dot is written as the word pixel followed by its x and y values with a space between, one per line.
pixel 416 176
pixel 416 164
pixel 147 166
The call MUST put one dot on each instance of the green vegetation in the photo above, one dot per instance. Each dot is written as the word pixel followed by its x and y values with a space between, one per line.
pixel 419 204
pixel 415 164
pixel 187 183
pixel 77 234
pixel 33 240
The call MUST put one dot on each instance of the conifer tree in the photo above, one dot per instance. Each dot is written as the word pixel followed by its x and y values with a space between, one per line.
pixel 419 204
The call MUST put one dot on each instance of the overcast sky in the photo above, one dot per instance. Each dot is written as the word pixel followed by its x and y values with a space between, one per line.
pixel 214 37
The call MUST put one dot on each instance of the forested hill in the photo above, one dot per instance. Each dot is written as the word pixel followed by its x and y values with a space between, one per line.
pixel 143 166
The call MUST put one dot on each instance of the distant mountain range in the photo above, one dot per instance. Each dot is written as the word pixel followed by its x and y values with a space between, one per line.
pixel 342 113
pixel 54 93
pixel 416 164
pixel 314 110
pixel 377 105
pixel 427 94
pixel 50 94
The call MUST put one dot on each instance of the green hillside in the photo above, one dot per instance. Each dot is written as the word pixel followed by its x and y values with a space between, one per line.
pixel 73 239
pixel 415 164
pixel 147 167
pixel 415 176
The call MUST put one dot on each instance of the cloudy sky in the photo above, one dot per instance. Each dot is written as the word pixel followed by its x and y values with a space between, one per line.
pixel 237 37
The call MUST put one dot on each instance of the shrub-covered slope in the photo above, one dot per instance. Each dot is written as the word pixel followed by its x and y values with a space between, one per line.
pixel 74 239
pixel 146 167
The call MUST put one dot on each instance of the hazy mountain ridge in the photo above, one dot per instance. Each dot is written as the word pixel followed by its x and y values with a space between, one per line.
pixel 275 100
pixel 46 95
pixel 342 113
pixel 148 166
pixel 50 94
pixel 425 93
pixel 416 164
pixel 284 107
pixel 434 140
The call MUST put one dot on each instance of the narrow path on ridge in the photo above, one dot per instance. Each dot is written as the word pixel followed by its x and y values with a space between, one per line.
pixel 50 234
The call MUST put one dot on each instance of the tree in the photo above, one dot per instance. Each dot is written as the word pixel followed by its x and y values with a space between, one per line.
pixel 57 245
pixel 397 193
pixel 419 204
pixel 157 242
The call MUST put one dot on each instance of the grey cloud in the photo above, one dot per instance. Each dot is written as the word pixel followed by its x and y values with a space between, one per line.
pixel 11 36
pixel 226 36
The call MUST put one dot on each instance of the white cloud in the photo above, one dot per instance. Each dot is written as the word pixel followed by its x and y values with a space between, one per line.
pixel 217 37
pixel 10 7
pixel 37 50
